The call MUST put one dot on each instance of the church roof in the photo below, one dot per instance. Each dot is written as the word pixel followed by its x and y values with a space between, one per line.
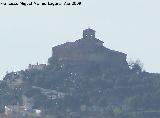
pixel 89 29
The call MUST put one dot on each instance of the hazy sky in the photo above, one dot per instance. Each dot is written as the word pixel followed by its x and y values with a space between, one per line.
pixel 28 33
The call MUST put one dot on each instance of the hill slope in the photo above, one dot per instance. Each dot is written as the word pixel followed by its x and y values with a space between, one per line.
pixel 83 79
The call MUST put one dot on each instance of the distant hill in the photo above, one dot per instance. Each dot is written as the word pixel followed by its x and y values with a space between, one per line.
pixel 83 79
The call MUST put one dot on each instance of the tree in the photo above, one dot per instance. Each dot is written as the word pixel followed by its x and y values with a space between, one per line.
pixel 136 66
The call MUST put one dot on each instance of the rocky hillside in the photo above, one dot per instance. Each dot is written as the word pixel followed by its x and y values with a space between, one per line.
pixel 83 79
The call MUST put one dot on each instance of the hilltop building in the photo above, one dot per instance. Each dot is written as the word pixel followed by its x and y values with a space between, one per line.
pixel 88 49
pixel 36 67
pixel 89 35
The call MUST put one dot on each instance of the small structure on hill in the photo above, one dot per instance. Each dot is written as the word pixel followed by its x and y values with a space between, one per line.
pixel 89 35
pixel 36 67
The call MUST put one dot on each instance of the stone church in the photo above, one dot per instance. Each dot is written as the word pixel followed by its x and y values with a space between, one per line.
pixel 89 49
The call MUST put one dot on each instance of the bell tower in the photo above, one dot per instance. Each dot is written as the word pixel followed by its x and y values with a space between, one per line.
pixel 89 34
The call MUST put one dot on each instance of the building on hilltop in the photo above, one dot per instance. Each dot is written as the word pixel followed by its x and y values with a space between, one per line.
pixel 37 66
pixel 89 34
pixel 88 49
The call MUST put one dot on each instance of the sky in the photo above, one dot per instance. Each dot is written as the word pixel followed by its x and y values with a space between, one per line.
pixel 27 34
